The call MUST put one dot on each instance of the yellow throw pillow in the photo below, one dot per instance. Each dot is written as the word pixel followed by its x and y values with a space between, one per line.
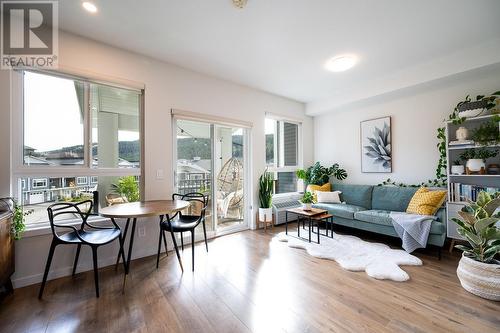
pixel 426 202
pixel 323 188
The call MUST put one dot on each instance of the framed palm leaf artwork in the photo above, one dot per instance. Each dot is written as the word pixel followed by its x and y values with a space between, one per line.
pixel 376 149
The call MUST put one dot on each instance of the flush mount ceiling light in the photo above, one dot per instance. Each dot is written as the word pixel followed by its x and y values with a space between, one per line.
pixel 239 3
pixel 341 63
pixel 89 6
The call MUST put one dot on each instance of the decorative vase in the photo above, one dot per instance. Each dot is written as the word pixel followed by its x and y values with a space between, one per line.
pixel 462 133
pixel 457 169
pixel 475 164
pixel 306 206
pixel 479 278
pixel 265 214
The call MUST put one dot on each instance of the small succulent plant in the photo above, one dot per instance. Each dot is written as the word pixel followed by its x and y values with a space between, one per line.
pixel 379 147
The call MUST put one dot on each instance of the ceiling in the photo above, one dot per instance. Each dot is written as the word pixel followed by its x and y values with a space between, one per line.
pixel 280 46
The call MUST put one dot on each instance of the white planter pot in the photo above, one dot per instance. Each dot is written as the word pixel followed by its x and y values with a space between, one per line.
pixel 306 206
pixel 457 169
pixel 300 185
pixel 475 164
pixel 479 278
pixel 265 214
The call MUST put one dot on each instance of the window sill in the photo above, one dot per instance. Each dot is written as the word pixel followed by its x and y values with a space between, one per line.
pixel 41 229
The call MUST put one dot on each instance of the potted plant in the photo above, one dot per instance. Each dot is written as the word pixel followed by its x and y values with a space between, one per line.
pixel 457 168
pixel 476 158
pixel 469 108
pixel 127 187
pixel 307 201
pixel 488 133
pixel 266 181
pixel 18 217
pixel 479 268
pixel 301 179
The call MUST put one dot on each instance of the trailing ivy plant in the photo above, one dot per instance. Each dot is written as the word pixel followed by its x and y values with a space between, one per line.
pixel 18 217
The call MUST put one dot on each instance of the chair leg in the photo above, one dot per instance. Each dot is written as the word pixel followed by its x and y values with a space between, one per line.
pixel 177 250
pixel 182 241
pixel 47 268
pixel 192 247
pixel 165 242
pixel 76 259
pixel 205 235
pixel 96 270
pixel 159 249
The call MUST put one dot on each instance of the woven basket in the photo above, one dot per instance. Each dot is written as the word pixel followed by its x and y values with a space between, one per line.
pixel 479 278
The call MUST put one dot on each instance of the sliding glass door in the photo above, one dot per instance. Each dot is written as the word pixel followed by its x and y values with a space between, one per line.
pixel 211 159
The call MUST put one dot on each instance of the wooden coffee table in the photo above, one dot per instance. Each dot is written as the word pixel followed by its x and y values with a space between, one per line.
pixel 309 215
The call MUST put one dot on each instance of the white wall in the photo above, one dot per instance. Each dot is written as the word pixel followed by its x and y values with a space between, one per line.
pixel 416 114
pixel 167 87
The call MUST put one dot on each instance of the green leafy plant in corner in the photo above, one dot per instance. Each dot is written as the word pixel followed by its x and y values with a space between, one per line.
pixel 127 187
pixel 317 174
pixel 18 217
pixel 266 181
pixel 307 198
pixel 477 226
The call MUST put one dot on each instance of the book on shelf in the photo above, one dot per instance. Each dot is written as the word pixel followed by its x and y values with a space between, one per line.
pixel 461 143
pixel 463 192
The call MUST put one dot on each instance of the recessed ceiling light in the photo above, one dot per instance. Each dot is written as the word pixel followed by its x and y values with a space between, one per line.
pixel 89 6
pixel 341 63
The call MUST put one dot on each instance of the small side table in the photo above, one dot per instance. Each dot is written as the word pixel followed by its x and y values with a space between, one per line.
pixel 266 223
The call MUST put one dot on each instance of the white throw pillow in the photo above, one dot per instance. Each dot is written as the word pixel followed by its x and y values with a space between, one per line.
pixel 328 197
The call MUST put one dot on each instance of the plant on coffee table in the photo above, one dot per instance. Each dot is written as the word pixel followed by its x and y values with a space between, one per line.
pixel 307 200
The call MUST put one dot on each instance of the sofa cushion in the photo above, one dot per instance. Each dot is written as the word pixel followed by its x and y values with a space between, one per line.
pixel 393 198
pixel 382 217
pixel 357 195
pixel 341 210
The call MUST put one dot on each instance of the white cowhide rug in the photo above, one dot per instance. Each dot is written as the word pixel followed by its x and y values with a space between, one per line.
pixel 354 254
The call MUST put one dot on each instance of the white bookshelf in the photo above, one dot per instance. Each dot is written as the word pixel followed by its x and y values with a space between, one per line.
pixel 452 154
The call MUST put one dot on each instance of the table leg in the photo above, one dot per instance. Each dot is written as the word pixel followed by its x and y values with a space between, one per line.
pixel 124 236
pixel 298 226
pixel 317 226
pixel 309 230
pixel 131 245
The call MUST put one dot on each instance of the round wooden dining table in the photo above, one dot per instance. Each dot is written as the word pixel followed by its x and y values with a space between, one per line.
pixel 134 210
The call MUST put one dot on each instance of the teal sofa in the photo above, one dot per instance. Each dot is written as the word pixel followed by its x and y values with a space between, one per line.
pixel 368 207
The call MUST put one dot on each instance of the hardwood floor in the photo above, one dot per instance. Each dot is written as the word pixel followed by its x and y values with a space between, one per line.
pixel 248 283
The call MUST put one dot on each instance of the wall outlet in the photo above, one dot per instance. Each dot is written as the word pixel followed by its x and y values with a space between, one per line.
pixel 142 231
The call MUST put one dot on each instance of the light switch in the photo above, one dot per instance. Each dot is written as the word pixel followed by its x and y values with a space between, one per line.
pixel 159 174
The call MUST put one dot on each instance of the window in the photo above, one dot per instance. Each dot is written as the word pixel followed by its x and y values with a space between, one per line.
pixel 39 183
pixel 283 152
pixel 72 126
pixel 81 180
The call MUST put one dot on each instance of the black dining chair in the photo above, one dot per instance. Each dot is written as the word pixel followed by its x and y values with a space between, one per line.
pixel 195 195
pixel 87 234
pixel 182 223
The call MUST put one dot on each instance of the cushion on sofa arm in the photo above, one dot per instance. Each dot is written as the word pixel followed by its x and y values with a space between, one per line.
pixel 382 217
pixel 341 210
pixel 392 198
pixel 358 195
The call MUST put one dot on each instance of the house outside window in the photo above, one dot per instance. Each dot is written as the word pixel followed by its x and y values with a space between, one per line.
pixel 283 152
pixel 76 137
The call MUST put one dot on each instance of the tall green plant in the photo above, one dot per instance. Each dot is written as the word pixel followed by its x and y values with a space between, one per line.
pixel 266 181
pixel 127 187
pixel 478 226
